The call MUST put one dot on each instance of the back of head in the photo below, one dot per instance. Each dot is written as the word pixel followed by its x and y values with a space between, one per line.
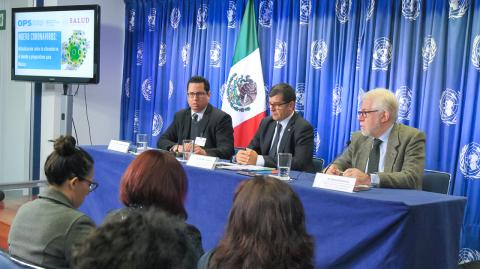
pixel 285 90
pixel 157 179
pixel 143 239
pixel 384 100
pixel 266 229
pixel 67 161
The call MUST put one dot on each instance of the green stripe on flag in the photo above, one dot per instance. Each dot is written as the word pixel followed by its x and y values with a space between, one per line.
pixel 247 41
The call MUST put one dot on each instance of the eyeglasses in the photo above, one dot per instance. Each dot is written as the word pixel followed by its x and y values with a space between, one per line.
pixel 364 113
pixel 91 184
pixel 276 106
pixel 196 94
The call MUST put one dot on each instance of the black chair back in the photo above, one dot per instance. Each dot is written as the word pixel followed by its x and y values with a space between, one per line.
pixel 318 164
pixel 436 181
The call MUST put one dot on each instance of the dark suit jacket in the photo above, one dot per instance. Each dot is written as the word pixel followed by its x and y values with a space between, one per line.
pixel 215 126
pixel 404 159
pixel 44 230
pixel 297 139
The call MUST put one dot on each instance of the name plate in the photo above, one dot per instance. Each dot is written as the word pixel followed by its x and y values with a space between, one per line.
pixel 335 183
pixel 120 146
pixel 202 161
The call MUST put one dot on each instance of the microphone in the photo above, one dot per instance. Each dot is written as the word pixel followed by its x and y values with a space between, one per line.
pixel 338 155
pixel 2 195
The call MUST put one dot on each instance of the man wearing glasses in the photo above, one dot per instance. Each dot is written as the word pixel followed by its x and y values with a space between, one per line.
pixel 284 131
pixel 384 153
pixel 210 128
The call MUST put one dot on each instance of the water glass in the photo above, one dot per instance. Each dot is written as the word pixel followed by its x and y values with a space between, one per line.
pixel 284 162
pixel 187 148
pixel 142 141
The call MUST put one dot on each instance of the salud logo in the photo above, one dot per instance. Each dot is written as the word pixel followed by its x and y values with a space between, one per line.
pixel 241 92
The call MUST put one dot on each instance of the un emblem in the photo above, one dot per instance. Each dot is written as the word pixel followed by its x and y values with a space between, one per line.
pixel 342 9
pixel 449 106
pixel 157 124
pixel 382 54
pixel 316 140
pixel 305 9
pixel 429 50
pixel 131 20
pixel 127 87
pixel 265 9
pixel 151 19
pixel 300 96
pixel 215 54
pixel 318 53
pixel 147 89
pixel 457 8
pixel 202 13
pixel 170 89
pixel 337 100
pixel 370 9
pixel 140 53
pixel 186 54
pixel 136 121
pixel 468 255
pixel 280 56
pixel 232 14
pixel 476 52
pixel 410 9
pixel 175 17
pixel 162 54
pixel 241 92
pixel 404 97
pixel 222 91
pixel 360 95
pixel 470 160
pixel 358 59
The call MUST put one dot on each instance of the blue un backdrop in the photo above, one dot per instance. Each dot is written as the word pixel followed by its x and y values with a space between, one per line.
pixel 332 52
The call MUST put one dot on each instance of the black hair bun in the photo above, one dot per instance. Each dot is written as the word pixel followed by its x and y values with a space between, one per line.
pixel 65 145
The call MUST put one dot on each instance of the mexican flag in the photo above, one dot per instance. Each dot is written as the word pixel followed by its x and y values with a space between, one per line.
pixel 244 96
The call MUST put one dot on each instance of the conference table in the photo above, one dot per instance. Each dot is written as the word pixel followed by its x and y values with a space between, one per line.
pixel 378 228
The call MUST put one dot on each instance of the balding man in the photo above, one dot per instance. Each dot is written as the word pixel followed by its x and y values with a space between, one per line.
pixel 384 153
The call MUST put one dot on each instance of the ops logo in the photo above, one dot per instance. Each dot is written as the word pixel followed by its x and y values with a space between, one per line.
pixel 21 23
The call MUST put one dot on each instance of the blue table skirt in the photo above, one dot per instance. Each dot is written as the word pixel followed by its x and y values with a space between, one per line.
pixel 379 228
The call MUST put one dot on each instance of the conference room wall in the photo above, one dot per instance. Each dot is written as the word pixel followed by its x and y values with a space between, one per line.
pixel 15 103
pixel 103 99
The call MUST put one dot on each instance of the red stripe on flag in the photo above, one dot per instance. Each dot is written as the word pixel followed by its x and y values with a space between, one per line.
pixel 245 131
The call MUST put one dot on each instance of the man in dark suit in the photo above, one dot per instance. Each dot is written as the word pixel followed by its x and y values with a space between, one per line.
pixel 284 131
pixel 211 128
pixel 384 153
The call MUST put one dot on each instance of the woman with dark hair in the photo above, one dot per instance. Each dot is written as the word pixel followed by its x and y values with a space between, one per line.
pixel 157 179
pixel 266 229
pixel 44 230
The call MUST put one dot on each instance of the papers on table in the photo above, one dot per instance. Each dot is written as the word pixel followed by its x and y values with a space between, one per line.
pixel 242 167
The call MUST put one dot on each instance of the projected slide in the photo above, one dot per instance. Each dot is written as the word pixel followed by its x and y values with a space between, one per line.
pixel 56 43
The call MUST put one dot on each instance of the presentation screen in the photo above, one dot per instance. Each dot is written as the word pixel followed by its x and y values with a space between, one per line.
pixel 56 44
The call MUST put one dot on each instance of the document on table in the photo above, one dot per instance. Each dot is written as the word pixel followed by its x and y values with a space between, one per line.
pixel 242 167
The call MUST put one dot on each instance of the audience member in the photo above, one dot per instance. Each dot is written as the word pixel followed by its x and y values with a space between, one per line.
pixel 44 230
pixel 285 131
pixel 200 120
pixel 266 229
pixel 148 238
pixel 157 179
pixel 384 153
